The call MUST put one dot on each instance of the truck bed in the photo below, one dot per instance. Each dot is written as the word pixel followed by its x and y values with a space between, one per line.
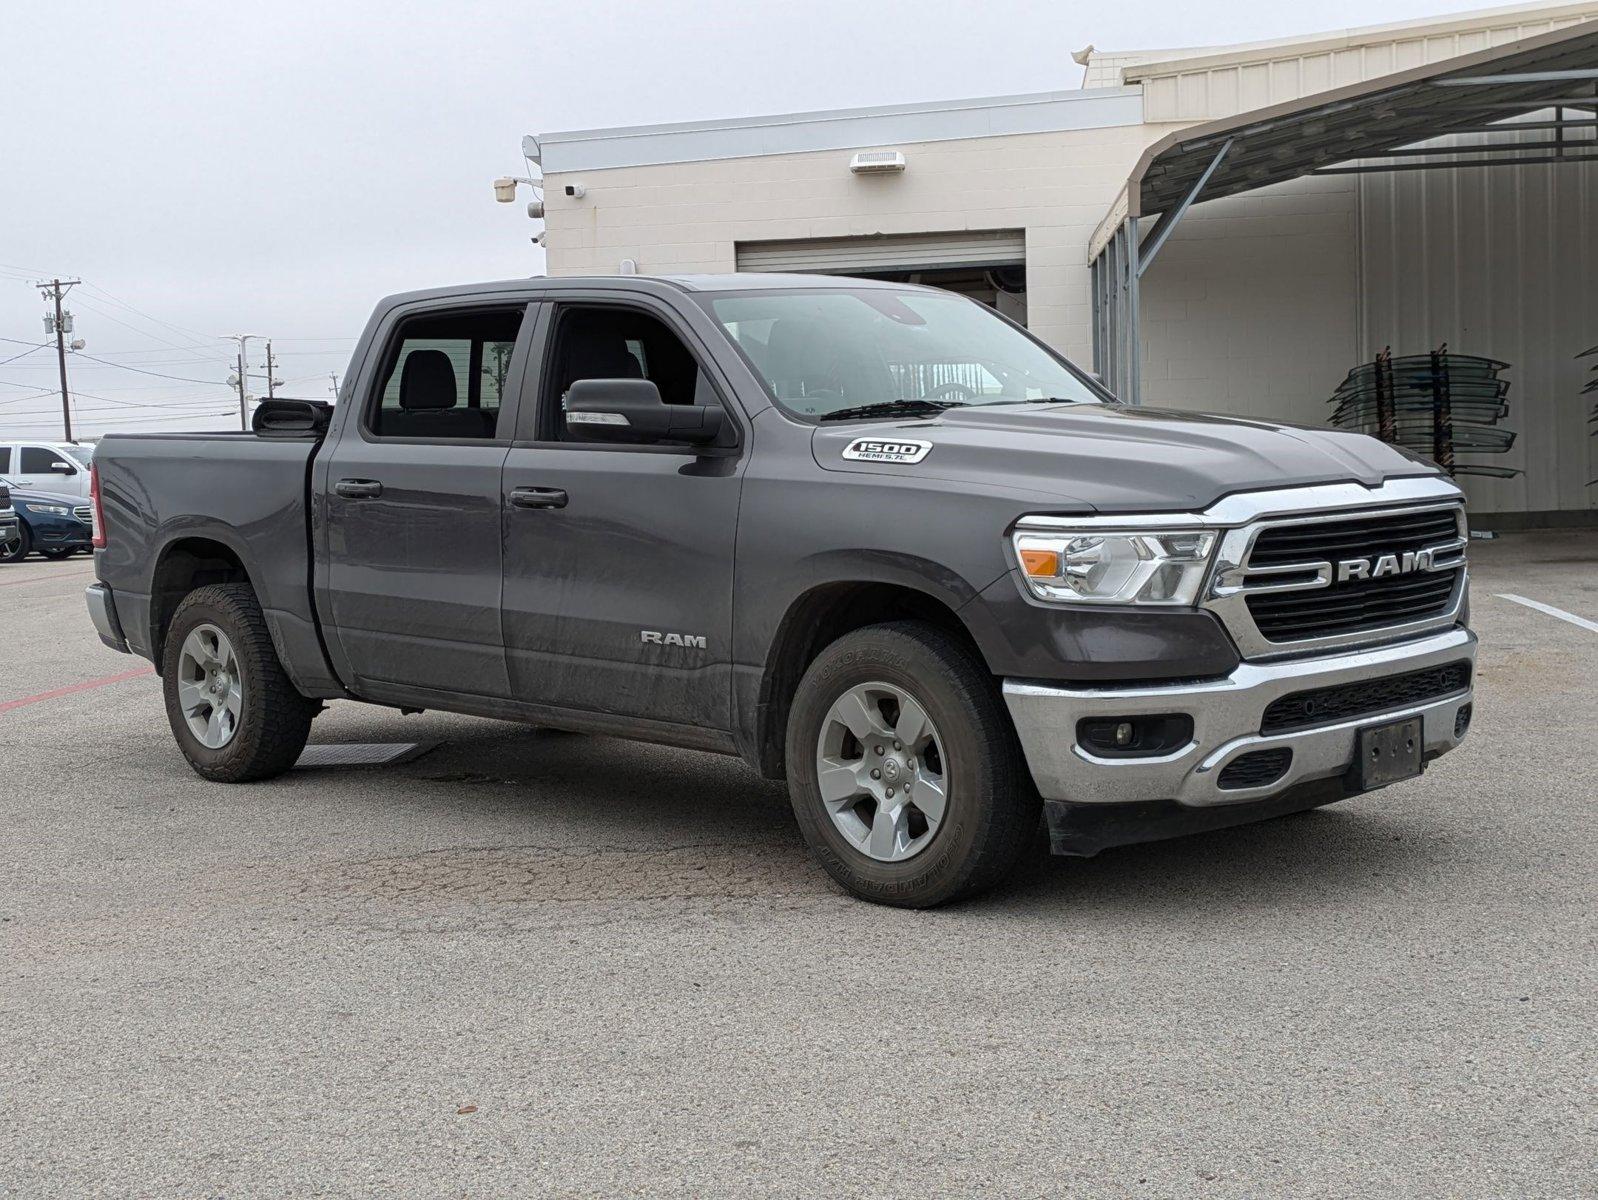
pixel 229 500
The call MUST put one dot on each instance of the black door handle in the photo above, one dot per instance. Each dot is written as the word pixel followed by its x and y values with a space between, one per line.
pixel 358 489
pixel 538 498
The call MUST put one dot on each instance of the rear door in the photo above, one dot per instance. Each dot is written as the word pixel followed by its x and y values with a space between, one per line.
pixel 413 506
pixel 618 558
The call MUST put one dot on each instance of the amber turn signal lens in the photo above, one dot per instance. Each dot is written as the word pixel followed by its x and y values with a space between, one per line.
pixel 1043 564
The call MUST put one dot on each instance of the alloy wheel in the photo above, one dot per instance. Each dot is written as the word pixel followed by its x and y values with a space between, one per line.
pixel 881 770
pixel 210 686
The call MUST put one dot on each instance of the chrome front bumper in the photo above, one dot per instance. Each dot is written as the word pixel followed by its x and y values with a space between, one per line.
pixel 1226 722
pixel 103 612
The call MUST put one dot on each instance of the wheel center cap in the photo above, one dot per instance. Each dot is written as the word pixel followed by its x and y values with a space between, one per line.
pixel 890 770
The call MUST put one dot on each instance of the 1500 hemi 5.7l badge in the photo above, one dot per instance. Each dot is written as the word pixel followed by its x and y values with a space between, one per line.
pixel 880 450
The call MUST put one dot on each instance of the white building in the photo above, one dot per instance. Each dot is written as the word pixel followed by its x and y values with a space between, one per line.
pixel 1259 297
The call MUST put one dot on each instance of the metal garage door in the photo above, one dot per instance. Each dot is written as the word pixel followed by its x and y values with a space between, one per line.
pixel 897 252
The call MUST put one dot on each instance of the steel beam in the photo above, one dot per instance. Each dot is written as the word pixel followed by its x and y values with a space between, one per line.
pixel 1451 166
pixel 1134 334
pixel 1161 232
pixel 1523 77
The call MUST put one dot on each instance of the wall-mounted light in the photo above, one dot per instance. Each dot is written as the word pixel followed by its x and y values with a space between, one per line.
pixel 505 192
pixel 877 162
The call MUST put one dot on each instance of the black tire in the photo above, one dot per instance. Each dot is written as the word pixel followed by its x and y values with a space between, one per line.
pixel 275 719
pixel 992 804
pixel 18 550
pixel 56 553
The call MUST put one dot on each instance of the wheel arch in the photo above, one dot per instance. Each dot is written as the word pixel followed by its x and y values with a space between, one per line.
pixel 185 564
pixel 815 619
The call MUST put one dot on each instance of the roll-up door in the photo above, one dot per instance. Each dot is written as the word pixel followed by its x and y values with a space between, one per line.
pixel 896 252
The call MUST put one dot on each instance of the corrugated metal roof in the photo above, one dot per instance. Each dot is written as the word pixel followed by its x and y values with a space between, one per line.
pixel 1391 45
pixel 1284 141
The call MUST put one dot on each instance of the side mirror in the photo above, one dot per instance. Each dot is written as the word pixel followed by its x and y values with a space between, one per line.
pixel 631 410
pixel 291 418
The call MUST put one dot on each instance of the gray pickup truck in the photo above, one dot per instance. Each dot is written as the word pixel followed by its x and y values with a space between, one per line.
pixel 874 539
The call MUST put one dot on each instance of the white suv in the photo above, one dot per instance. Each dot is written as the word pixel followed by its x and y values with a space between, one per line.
pixel 61 467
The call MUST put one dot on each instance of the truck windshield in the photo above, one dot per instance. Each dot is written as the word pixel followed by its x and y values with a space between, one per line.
pixel 859 351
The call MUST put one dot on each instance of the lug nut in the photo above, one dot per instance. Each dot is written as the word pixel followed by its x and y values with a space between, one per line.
pixel 896 746
pixel 876 774
pixel 878 749
pixel 890 793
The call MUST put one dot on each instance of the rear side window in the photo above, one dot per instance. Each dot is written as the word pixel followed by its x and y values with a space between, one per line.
pixel 5 458
pixel 446 377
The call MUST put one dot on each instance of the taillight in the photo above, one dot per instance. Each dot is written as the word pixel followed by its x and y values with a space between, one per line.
pixel 97 515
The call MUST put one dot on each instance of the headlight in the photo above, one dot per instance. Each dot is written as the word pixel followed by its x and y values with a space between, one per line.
pixel 1115 566
pixel 55 510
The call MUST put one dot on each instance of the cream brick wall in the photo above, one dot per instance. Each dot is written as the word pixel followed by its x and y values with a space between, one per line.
pixel 688 217
pixel 1252 306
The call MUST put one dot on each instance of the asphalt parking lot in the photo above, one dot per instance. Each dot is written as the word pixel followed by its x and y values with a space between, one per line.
pixel 537 963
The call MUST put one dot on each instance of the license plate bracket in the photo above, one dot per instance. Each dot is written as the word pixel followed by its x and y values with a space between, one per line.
pixel 1389 753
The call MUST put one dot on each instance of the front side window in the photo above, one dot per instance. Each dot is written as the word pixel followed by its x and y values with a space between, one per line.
pixel 447 377
pixel 619 343
pixel 40 460
pixel 827 353
pixel 83 455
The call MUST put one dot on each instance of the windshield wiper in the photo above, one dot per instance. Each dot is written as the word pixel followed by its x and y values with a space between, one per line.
pixel 891 408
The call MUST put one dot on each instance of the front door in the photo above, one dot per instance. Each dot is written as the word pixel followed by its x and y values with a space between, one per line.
pixel 412 497
pixel 618 558
pixel 45 469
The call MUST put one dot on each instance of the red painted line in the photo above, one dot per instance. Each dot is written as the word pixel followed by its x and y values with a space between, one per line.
pixel 74 689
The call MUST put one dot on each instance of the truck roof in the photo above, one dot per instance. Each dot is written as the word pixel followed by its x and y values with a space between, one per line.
pixel 688 283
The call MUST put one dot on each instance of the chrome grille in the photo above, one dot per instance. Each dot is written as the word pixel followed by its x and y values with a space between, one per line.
pixel 1290 583
pixel 1352 607
pixel 1337 605
pixel 1365 537
pixel 84 513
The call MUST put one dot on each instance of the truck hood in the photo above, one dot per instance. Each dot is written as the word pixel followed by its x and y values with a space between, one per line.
pixel 1093 457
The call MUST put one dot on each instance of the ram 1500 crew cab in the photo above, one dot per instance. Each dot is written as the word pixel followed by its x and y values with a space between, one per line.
pixel 875 539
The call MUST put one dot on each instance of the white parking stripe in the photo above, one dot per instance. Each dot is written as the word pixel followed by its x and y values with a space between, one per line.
pixel 1583 622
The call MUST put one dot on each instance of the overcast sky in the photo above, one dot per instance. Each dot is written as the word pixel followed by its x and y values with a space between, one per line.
pixel 211 169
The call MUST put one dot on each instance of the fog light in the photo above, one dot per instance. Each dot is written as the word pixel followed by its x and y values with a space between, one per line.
pixel 1134 737
pixel 1461 721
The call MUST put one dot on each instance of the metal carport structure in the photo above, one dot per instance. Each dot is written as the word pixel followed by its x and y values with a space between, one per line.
pixel 1340 132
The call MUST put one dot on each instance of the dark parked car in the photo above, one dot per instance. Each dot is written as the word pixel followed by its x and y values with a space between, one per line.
pixel 53 524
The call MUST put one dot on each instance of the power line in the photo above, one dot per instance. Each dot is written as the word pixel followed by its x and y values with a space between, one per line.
pixel 24 354
pixel 204 337
pixel 20 399
pixel 142 371
pixel 100 312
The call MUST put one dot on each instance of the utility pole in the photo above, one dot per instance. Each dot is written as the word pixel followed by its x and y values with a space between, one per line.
pixel 58 288
pixel 333 375
pixel 243 377
pixel 270 368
